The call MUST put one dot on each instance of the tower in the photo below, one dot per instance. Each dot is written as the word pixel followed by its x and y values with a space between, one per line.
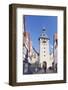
pixel 44 48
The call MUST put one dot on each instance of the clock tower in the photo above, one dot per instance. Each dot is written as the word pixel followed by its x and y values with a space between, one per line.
pixel 44 48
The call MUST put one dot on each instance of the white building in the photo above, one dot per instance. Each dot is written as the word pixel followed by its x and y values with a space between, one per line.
pixel 51 59
pixel 44 48
pixel 55 50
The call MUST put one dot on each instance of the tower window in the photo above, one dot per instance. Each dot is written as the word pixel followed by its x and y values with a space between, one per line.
pixel 43 34
pixel 44 51
pixel 44 41
pixel 44 55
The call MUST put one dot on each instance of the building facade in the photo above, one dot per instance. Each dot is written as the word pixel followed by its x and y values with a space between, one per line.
pixel 30 55
pixel 28 51
pixel 26 44
pixel 35 56
pixel 44 49
pixel 55 51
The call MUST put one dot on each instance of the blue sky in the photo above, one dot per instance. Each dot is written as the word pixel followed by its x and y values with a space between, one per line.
pixel 34 25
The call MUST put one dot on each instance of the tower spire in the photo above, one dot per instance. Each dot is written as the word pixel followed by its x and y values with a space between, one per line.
pixel 43 34
pixel 44 29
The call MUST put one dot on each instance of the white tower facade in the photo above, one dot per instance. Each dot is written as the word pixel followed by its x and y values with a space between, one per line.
pixel 44 49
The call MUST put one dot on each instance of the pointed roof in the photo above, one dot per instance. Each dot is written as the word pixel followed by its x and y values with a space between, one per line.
pixel 43 34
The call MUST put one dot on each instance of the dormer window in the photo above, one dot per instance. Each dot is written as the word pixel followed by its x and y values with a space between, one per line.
pixel 43 34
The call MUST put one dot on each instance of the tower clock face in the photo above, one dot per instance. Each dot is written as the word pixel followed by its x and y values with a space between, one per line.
pixel 43 41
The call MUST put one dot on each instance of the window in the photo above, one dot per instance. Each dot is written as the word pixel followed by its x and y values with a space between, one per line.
pixel 44 51
pixel 44 55
pixel 43 34
pixel 44 41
